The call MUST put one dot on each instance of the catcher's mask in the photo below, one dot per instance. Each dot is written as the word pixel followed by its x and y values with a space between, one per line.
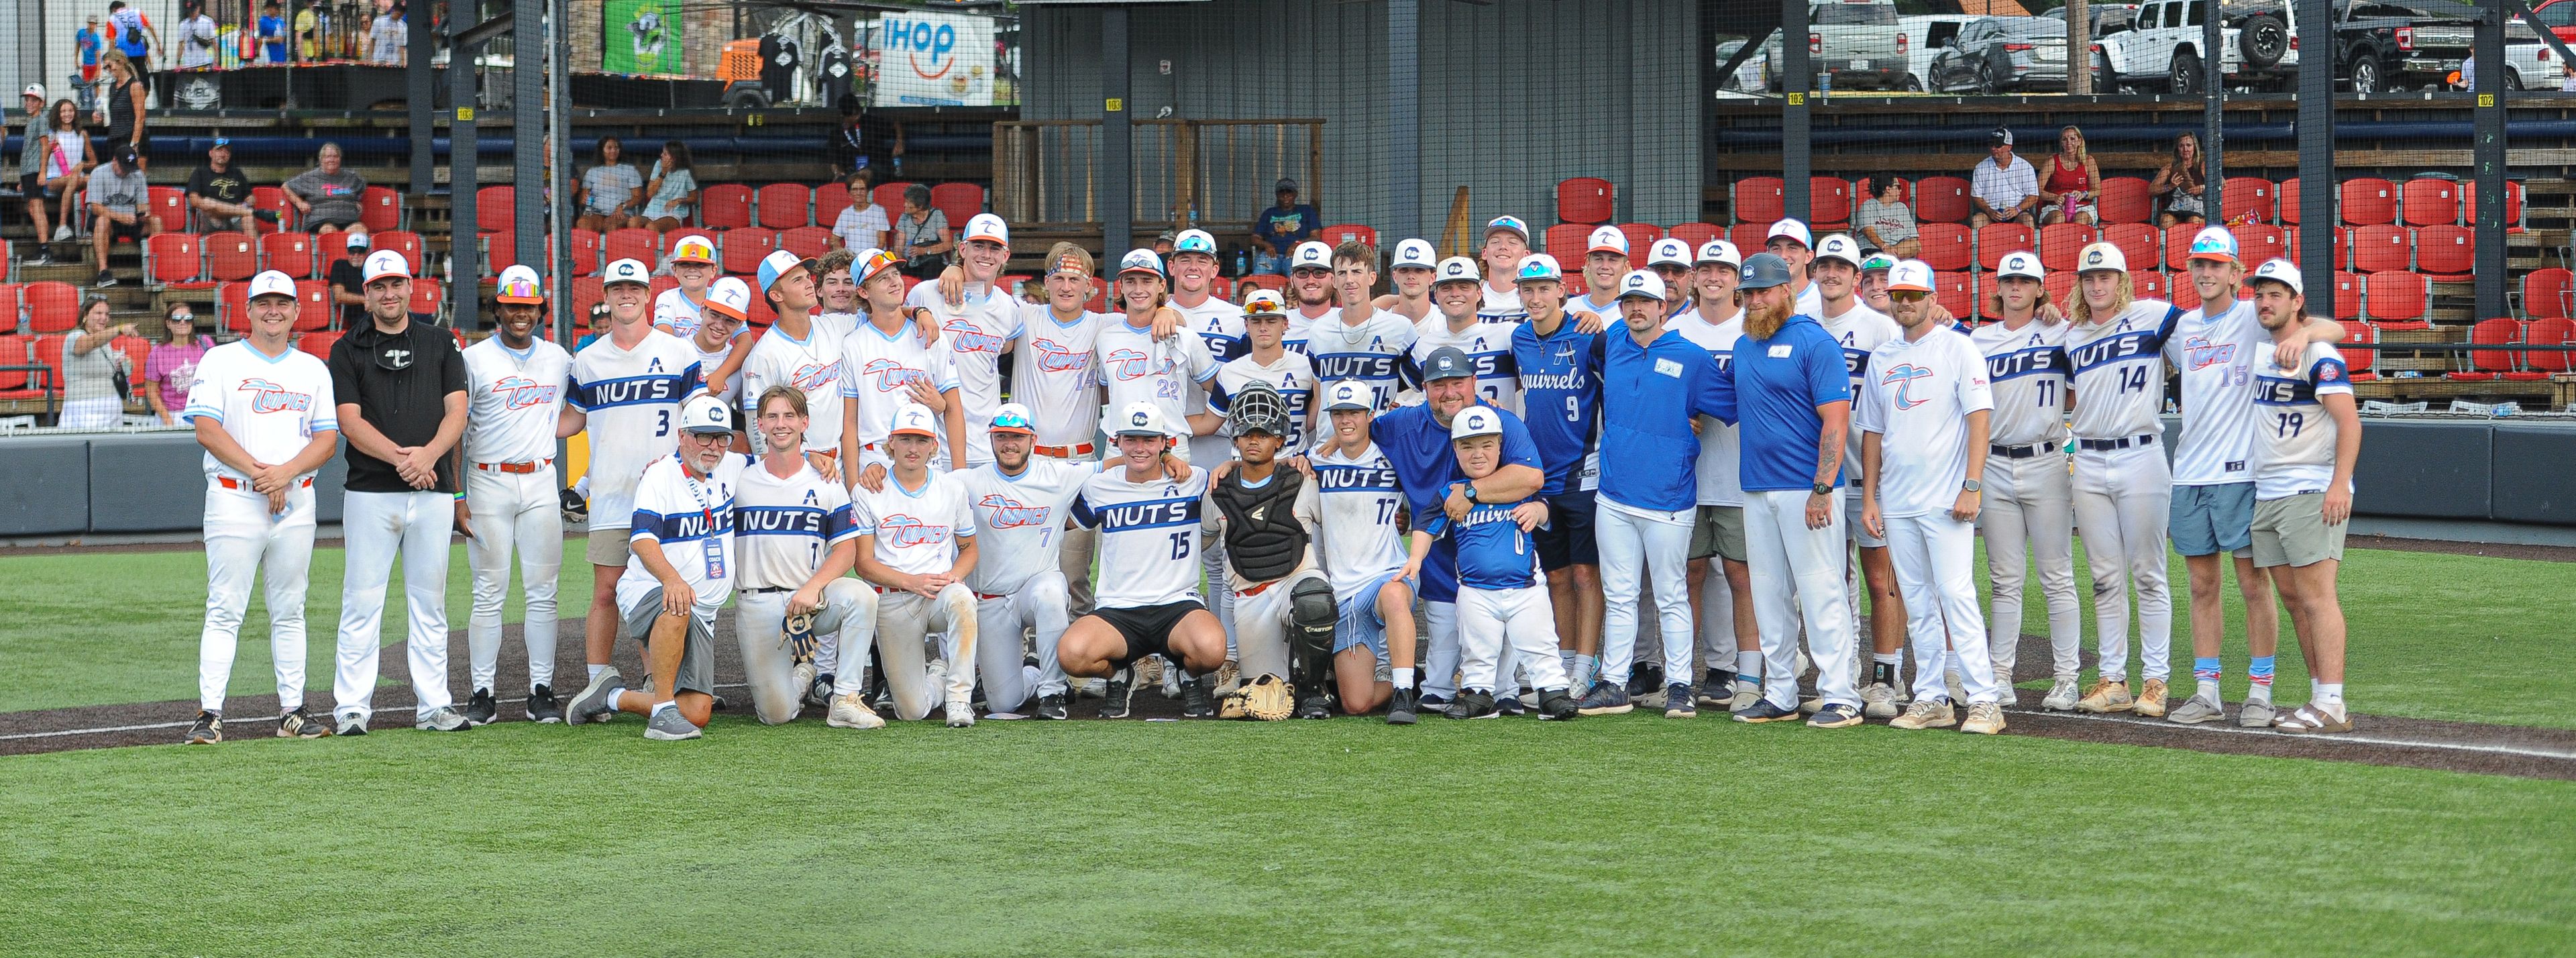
pixel 1258 407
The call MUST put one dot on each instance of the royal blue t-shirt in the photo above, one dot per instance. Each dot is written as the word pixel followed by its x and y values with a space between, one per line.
pixel 1289 227
pixel 1772 390
pixel 1649 454
pixel 1417 445
pixel 1492 551
pixel 273 30
pixel 1561 392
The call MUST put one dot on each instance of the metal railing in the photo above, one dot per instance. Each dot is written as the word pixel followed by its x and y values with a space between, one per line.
pixel 1211 172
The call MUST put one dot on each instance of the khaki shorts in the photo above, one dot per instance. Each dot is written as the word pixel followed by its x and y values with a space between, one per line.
pixel 1718 531
pixel 608 547
pixel 2293 532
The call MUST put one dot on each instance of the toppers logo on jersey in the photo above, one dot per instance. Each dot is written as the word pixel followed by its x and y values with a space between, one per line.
pixel 520 392
pixel 889 375
pixel 1130 364
pixel 267 396
pixel 902 531
pixel 814 376
pixel 2200 353
pixel 969 339
pixel 1008 513
pixel 1902 376
pixel 1055 357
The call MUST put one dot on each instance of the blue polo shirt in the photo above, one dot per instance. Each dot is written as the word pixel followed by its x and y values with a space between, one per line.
pixel 1649 455
pixel 1417 445
pixel 1772 390
pixel 1561 390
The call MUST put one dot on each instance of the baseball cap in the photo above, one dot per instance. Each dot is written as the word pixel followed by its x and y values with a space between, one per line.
pixel 1841 247
pixel 1264 302
pixel 2214 243
pixel 1167 236
pixel 2284 272
pixel 1721 251
pixel 693 248
pixel 1349 394
pixel 1912 275
pixel 2096 257
pixel 2020 263
pixel 519 284
pixel 913 419
pixel 1456 269
pixel 1512 223
pixel 1763 271
pixel 356 240
pixel 1669 251
pixel 1536 267
pixel 1606 239
pixel 1194 241
pixel 383 263
pixel 1475 421
pixel 731 297
pixel 1140 261
pixel 1640 283
pixel 36 90
pixel 1286 185
pixel 125 155
pixel 1138 419
pixel 705 414
pixel 1414 253
pixel 222 141
pixel 2000 137
pixel 1792 229
pixel 779 262
pixel 1311 255
pixel 1014 418
pixel 1446 362
pixel 871 261
pixel 989 228
pixel 1877 261
pixel 274 283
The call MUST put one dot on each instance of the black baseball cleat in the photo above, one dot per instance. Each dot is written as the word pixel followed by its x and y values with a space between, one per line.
pixel 1556 706
pixel 542 707
pixel 1198 699
pixel 482 708
pixel 1472 704
pixel 574 508
pixel 819 695
pixel 301 724
pixel 208 729
pixel 1052 707
pixel 1315 707
pixel 1645 681
pixel 1120 701
pixel 1399 708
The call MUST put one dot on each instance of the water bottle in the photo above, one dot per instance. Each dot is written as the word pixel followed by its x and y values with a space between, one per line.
pixel 1825 83
pixel 1242 262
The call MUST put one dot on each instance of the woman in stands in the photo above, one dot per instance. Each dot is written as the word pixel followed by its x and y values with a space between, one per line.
pixel 2180 184
pixel 2067 196
pixel 92 367
pixel 172 365
pixel 923 231
pixel 124 108
pixel 68 159
pixel 673 189
pixel 610 192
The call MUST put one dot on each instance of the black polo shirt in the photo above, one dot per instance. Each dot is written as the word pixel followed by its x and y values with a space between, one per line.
pixel 405 404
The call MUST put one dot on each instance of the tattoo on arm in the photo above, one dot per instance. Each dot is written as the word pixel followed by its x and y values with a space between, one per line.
pixel 1830 461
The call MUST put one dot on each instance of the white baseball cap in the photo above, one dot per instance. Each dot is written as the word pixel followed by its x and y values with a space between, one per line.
pixel 731 297
pixel 913 419
pixel 989 228
pixel 1639 282
pixel 1721 251
pixel 271 283
pixel 1792 229
pixel 1669 250
pixel 2281 271
pixel 1414 253
pixel 36 90
pixel 1014 418
pixel 1311 255
pixel 1140 419
pixel 1140 261
pixel 1512 223
pixel 1475 421
pixel 2097 257
pixel 704 413
pixel 1263 302
pixel 621 271
pixel 383 263
pixel 1538 266
pixel 520 285
pixel 1457 269
pixel 1349 394
pixel 1911 275
pixel 1606 239
pixel 1838 246
pixel 2024 264
pixel 1194 241
pixel 777 264
pixel 693 248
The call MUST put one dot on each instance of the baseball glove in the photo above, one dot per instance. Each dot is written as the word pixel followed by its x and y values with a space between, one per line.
pixel 1268 698
pixel 797 635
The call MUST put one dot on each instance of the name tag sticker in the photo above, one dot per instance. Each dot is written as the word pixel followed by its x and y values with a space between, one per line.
pixel 1780 351
pixel 1669 368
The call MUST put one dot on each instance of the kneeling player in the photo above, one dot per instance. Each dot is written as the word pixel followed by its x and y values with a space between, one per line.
pixel 798 544
pixel 1283 606
pixel 1364 552
pixel 1499 598
pixel 1020 500
pixel 1147 512
pixel 919 548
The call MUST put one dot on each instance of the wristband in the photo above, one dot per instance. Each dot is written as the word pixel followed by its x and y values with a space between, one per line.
pixel 460 497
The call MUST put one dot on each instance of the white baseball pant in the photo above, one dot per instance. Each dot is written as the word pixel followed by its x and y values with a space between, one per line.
pixel 849 609
pixel 1631 545
pixel 244 539
pixel 1799 570
pixel 2123 498
pixel 1263 621
pixel 1442 653
pixel 1935 558
pixel 903 621
pixel 1039 605
pixel 1717 638
pixel 2031 503
pixel 513 512
pixel 1522 622
pixel 380 526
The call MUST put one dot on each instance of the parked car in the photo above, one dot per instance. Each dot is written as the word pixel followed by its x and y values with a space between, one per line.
pixel 1858 42
pixel 1996 54
pixel 1926 33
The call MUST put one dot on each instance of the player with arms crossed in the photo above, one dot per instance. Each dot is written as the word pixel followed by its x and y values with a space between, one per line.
pixel 798 538
pixel 1500 604
pixel 2309 437
pixel 2028 502
pixel 1267 515
pixel 1364 553
pixel 266 417
pixel 917 546
pixel 1487 343
pixel 1020 501
pixel 516 380
pixel 1148 512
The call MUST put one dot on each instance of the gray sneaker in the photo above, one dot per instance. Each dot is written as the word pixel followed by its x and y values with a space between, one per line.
pixel 668 725
pixel 597 701
pixel 2004 680
pixel 1878 701
pixel 2254 715
pixel 445 718
pixel 2197 711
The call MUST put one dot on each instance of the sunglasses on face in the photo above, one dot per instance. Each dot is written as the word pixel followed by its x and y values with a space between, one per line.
pixel 1907 296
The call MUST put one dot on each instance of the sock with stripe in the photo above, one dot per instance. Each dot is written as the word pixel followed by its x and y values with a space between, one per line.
pixel 1883 666
pixel 2205 673
pixel 2261 674
pixel 1748 670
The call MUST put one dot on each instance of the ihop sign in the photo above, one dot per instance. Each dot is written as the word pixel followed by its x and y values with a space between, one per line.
pixel 934 59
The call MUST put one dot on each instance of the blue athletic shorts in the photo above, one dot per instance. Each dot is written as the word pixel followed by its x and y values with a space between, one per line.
pixel 2208 520
pixel 1360 623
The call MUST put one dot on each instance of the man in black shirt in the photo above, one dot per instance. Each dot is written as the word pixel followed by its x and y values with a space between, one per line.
pixel 348 283
pixel 219 194
pixel 400 382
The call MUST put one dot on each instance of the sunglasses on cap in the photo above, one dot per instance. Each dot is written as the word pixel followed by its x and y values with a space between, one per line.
pixel 882 260
pixel 1012 420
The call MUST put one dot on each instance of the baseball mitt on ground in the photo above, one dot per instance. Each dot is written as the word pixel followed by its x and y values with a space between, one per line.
pixel 1268 698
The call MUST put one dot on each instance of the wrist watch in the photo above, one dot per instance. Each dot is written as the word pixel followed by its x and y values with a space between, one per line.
pixel 1824 490
pixel 1971 486
pixel 1471 492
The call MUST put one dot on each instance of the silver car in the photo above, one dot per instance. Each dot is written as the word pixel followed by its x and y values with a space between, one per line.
pixel 1997 54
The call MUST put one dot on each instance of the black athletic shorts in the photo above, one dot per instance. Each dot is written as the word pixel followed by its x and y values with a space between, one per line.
pixel 1147 629
pixel 1566 539
pixel 123 232
pixel 33 186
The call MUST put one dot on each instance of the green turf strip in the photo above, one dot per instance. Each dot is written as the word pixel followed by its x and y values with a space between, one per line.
pixel 1637 835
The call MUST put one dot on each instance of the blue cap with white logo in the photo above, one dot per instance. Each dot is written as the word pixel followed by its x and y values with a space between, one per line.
pixel 2214 243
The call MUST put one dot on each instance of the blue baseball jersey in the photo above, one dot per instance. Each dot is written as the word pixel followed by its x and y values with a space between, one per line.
pixel 1492 551
pixel 1772 391
pixel 1417 445
pixel 1561 392
pixel 1649 453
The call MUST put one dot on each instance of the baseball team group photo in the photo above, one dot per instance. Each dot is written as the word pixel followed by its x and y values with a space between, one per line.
pixel 1098 506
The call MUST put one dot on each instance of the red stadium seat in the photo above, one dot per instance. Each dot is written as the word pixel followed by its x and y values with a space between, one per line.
pixel 2289 196
pixel 1946 247
pixel 1219 287
pixel 724 206
pixel 2394 296
pixel 2382 248
pixel 2347 295
pixel 2148 284
pixel 1748 237
pixel 2446 253
pixel 11 295
pixel 2248 196
pixel 232 303
pixel 2546 293
pixel 272 199
pixel 641 245
pixel 329 248
pixel 2059 242
pixel 961 201
pixel 1956 292
pixel 805 241
pixel 49 354
pixel 170 203
pixel 1996 239
pixel 52 306
pixel 829 200
pixel 288 253
pixel 2550 331
pixel 381 209
pixel 172 259
pixel 2431 200
pixel 2369 201
pixel 136 350
pixel 2061 288
pixel 1759 199
pixel 426 296
pixel 406 243
pixel 2355 348
pixel 1565 241
pixel 1338 234
pixel 1941 199
pixel 317 344
pixel 1588 200
pixel 586 295
pixel 890 196
pixel 2178 246
pixel 2513 196
pixel 230 256
pixel 2138 242
pixel 786 206
pixel 1696 234
pixel 2495 332
pixel 1269 281
pixel 1829 204
pixel 743 249
pixel 585 252
pixel 761 313
pixel 495 209
pixel 2342 247
pixel 313 305
pixel 16 385
pixel 660 285
pixel 2125 200
pixel 1641 238
pixel 2257 243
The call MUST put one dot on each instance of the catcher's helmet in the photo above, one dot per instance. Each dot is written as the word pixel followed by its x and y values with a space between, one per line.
pixel 1258 407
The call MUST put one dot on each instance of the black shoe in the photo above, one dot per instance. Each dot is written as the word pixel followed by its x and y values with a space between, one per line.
pixel 1197 697
pixel 482 709
pixel 1645 681
pixel 1509 705
pixel 1399 708
pixel 105 279
pixel 208 729
pixel 1052 707
pixel 301 724
pixel 819 695
pixel 1472 704
pixel 1315 707
pixel 1556 706
pixel 542 707
pixel 1121 700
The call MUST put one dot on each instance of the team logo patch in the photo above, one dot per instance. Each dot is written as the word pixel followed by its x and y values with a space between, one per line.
pixel 520 392
pixel 1902 376
pixel 2329 373
pixel 1139 419
pixel 1009 513
pixel 904 531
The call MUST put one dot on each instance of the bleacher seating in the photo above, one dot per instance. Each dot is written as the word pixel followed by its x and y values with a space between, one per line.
pixel 2125 200
pixel 724 206
pixel 2368 201
pixel 2446 253
pixel 229 255
pixel 960 201
pixel 2357 356
pixel 171 259
pixel 743 249
pixel 289 253
pixel 1333 236
pixel 786 206
pixel 2382 248
pixel 401 241
pixel 642 245
pixel 1947 247
pixel 1956 292
pixel 1748 236
pixel 2431 200
pixel 1941 199
pixel 382 209
pixel 2060 242
pixel 1585 199
pixel 2394 296
pixel 1829 204
pixel 2245 196
pixel 829 200
pixel 1760 200
pixel 2347 295
pixel 890 196
pixel 1696 234
pixel 52 306
pixel 313 306
pixel 496 209
pixel 1641 239
pixel 1996 239
pixel 805 241
pixel 1565 242
pixel 2549 293
pixel 2550 331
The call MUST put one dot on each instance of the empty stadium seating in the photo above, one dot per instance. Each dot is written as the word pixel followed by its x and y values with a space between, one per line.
pixel 1584 199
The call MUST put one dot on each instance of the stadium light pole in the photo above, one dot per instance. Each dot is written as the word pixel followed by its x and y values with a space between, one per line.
pixel 2316 149
pixel 2488 162
pixel 2213 95
pixel 422 95
pixel 1117 208
pixel 1795 163
pixel 559 132
pixel 463 149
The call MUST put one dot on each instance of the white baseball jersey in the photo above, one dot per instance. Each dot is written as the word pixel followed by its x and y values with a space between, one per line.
pixel 878 369
pixel 1304 509
pixel 814 365
pixel 1811 302
pixel 1861 330
pixel 673 309
pixel 2027 369
pixel 709 362
pixel 1149 533
pixel 1721 446
pixel 1053 374
pixel 2296 436
pixel 1220 323
pixel 1301 325
pixel 1292 374
pixel 1502 305
pixel 918 531
pixel 1371 352
pixel 271 405
pixel 1021 519
pixel 1917 397
pixel 1136 368
pixel 784 526
pixel 692 519
pixel 2117 367
pixel 1359 499
pixel 1487 343
pixel 1607 307
pixel 630 397
pixel 976 334
pixel 515 399
pixel 2217 358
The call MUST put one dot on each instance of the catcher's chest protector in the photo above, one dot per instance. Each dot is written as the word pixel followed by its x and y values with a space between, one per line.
pixel 1263 538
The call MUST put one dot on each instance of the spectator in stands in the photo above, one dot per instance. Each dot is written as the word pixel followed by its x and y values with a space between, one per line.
pixel 196 36
pixel 172 364
pixel 2567 78
pixel 118 197
pixel 347 278
pixel 135 38
pixel 1885 221
pixel 327 194
pixel 220 195
pixel 34 148
pixel 308 33
pixel 1163 244
pixel 610 192
pixel 863 225
pixel 272 33
pixel 94 370
pixel 672 191
pixel 2180 184
pixel 92 41
pixel 864 141
pixel 923 230
pixel 2073 181
pixel 123 106
pixel 69 157
pixel 388 39
pixel 1280 228
pixel 2003 188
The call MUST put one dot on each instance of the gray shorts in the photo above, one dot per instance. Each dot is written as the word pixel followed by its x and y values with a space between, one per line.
pixel 2208 520
pixel 2293 532
pixel 1854 529
pixel 697 655
pixel 1718 531
pixel 609 547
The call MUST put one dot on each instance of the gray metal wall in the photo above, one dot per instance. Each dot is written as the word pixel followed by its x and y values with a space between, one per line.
pixel 120 483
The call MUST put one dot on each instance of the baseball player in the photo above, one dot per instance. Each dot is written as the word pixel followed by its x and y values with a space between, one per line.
pixel 693 263
pixel 979 326
pixel 917 545
pixel 2303 493
pixel 1924 412
pixel 727 307
pixel 1506 244
pixel 1789 388
pixel 1790 240
pixel 682 529
pixel 1460 324
pixel 1671 261
pixel 1021 500
pixel 798 539
pixel 1220 324
pixel 2027 502
pixel 1874 267
pixel 1267 514
pixel 1055 378
pixel 1310 290
pixel 1148 512
pixel 1860 329
pixel 1605 259
pixel 266 417
pixel 1653 383
pixel 837 295
pixel 1364 554
pixel 1500 604
pixel 1724 610
pixel 515 379
pixel 1138 360
pixel 888 361
pixel 1361 344
pixel 1559 364
pixel 2123 487
pixel 1269 365
pixel 1411 274
pixel 800 349
pixel 401 389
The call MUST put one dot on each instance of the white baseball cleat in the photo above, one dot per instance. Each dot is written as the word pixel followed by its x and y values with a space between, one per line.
pixel 2061 695
pixel 851 711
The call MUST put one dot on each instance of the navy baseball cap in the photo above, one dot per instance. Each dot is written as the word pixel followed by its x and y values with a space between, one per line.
pixel 1763 271
pixel 1447 362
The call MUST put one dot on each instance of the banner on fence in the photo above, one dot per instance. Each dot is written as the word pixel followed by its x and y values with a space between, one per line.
pixel 934 59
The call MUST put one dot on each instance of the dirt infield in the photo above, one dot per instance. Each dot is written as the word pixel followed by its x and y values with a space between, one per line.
pixel 2378 740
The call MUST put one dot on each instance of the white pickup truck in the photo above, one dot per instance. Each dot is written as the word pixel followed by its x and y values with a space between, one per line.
pixel 2379 46
pixel 1859 43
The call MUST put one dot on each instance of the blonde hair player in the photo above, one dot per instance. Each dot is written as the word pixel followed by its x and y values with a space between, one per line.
pixel 793 596
pixel 513 419
pixel 693 263
pixel 2122 484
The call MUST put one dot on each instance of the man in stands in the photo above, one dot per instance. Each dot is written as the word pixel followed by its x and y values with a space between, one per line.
pixel 117 194
pixel 327 195
pixel 220 195
pixel 1280 228
pixel 2003 188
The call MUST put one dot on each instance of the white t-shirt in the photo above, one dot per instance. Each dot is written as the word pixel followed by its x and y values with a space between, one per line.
pixel 708 362
pixel 1303 509
pixel 1054 376
pixel 879 369
pixel 1021 519
pixel 1293 375
pixel 2118 371
pixel 1300 324
pixel 1721 446
pixel 861 229
pixel 673 310
pixel 977 334
pixel 271 405
pixel 917 531
pixel 692 519
pixel 1487 343
pixel 2026 368
pixel 1136 368
pixel 2217 358
pixel 1502 305
pixel 1220 323
pixel 630 397
pixel 814 366
pixel 1811 303
pixel 1860 330
pixel 516 398
pixel 1917 398
pixel 1149 534
pixel 784 526
pixel 1371 352
pixel 1359 498
pixel 2297 436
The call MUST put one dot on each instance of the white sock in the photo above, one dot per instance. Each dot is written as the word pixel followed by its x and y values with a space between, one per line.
pixel 2330 695
pixel 1586 666
pixel 581 487
pixel 1888 658
pixel 1748 669
pixel 1566 658
pixel 659 707
pixel 1404 678
pixel 2208 689
pixel 595 670
pixel 2258 693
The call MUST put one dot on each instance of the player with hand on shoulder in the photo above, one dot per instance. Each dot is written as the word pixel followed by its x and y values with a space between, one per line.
pixel 1724 611
pixel 1458 323
pixel 2028 499
pixel 1560 371
pixel 800 349
pixel 1219 324
pixel 1021 500
pixel 1148 510
pixel 1267 515
pixel 890 361
pixel 978 320
pixel 515 378
pixel 1055 377
pixel 693 262
pixel 1358 495
pixel 917 545
pixel 2122 483
pixel 836 294
pixel 1143 358
pixel 2303 493
pixel 728 305
pixel 1270 365
pixel 1500 604
pixel 1360 343
pixel 799 541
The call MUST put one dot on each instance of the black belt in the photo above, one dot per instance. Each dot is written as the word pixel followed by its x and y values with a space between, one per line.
pixel 768 589
pixel 2021 452
pixel 2098 445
